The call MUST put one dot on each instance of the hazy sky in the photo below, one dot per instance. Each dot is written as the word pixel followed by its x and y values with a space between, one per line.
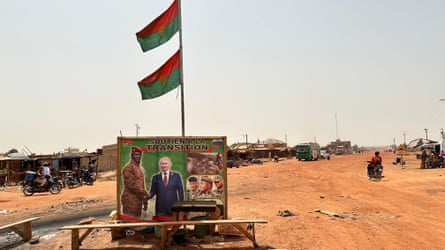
pixel 298 71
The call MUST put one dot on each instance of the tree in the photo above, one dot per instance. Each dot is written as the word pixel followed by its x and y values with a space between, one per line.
pixel 12 150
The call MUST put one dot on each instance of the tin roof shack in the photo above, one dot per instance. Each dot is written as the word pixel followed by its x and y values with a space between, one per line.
pixel 74 162
pixel 14 167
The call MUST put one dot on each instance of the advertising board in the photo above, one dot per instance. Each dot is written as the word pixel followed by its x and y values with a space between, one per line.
pixel 155 172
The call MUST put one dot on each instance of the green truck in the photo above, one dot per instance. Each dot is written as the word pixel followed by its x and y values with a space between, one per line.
pixel 309 151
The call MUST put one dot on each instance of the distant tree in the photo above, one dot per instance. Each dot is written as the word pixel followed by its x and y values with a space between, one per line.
pixel 355 148
pixel 12 150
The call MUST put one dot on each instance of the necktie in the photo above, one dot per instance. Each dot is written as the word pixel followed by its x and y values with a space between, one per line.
pixel 165 179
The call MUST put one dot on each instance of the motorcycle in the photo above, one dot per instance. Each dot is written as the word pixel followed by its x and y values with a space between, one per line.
pixel 375 172
pixel 30 186
pixel 87 176
pixel 72 180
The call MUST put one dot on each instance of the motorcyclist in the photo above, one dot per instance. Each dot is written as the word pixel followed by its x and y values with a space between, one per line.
pixel 43 174
pixel 376 160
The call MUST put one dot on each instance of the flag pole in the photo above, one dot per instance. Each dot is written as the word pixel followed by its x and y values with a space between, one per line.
pixel 181 75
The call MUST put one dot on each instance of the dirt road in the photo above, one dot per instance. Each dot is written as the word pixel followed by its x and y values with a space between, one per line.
pixel 335 205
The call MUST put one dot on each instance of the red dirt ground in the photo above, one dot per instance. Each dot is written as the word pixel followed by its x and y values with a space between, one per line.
pixel 402 211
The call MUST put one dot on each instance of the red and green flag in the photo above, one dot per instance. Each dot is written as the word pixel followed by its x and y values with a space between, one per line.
pixel 159 30
pixel 163 80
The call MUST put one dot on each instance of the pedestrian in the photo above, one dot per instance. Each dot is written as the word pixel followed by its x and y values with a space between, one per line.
pixel 423 157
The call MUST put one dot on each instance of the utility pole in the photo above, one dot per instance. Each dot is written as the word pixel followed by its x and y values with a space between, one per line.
pixel 336 126
pixel 426 133
pixel 443 138
pixel 404 139
pixel 137 129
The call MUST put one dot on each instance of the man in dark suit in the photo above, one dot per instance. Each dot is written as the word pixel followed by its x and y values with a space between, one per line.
pixel 167 186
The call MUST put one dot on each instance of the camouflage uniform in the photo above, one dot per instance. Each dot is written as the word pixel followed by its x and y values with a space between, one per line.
pixel 134 194
pixel 219 190
pixel 206 193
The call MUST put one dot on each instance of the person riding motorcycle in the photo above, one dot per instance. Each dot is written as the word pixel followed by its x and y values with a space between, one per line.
pixel 43 174
pixel 376 160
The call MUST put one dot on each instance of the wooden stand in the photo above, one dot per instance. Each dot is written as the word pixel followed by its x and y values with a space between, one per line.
pixel 26 232
pixel 166 234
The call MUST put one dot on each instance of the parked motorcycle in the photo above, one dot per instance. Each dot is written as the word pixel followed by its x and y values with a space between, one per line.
pixel 375 172
pixel 30 186
pixel 87 176
pixel 72 179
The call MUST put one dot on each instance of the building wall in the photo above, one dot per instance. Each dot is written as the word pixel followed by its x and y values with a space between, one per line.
pixel 108 159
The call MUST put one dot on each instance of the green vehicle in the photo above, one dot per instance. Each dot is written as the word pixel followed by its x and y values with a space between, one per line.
pixel 307 151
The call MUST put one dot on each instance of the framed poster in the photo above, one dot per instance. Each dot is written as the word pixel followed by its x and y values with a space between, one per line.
pixel 155 172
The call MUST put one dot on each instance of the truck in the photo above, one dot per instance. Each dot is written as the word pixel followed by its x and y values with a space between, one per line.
pixel 309 151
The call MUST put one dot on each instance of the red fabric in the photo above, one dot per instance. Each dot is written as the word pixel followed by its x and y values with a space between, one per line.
pixel 132 219
pixel 375 159
pixel 153 219
pixel 164 71
pixel 161 21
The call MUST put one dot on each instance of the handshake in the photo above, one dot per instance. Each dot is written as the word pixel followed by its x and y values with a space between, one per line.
pixel 145 201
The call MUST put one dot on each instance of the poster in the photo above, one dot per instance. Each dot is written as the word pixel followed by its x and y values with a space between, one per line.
pixel 155 172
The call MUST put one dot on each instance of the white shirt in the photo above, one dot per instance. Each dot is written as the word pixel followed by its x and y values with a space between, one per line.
pixel 46 171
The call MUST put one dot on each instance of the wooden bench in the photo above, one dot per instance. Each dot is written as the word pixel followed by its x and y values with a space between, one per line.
pixel 26 232
pixel 76 240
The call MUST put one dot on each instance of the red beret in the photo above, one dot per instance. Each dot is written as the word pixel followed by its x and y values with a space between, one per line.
pixel 136 149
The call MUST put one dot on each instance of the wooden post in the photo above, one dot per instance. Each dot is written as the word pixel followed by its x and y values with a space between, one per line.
pixel 163 237
pixel 27 231
pixel 75 243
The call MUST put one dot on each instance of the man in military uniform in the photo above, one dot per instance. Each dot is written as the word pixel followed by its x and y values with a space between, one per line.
pixel 205 187
pixel 193 188
pixel 133 197
pixel 219 183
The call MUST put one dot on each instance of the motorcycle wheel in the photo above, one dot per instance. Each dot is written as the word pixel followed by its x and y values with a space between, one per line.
pixel 377 176
pixel 55 188
pixel 27 190
pixel 89 180
pixel 68 183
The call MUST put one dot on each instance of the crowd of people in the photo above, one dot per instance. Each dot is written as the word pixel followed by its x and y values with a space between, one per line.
pixel 432 159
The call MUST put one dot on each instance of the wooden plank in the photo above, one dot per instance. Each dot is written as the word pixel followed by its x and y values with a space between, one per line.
pixel 165 223
pixel 16 230
pixel 250 236
pixel 18 223
pixel 85 234
pixel 26 232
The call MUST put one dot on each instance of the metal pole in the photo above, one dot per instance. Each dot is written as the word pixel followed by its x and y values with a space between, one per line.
pixel 404 139
pixel 137 129
pixel 181 77
pixel 443 138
